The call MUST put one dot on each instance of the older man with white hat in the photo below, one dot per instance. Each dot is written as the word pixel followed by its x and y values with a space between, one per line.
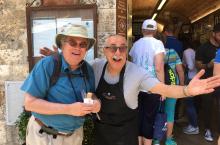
pixel 58 108
pixel 148 53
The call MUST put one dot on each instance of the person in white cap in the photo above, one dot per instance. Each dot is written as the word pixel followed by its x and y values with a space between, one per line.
pixel 148 53
pixel 58 109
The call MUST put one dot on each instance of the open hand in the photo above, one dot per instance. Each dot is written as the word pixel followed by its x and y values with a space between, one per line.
pixel 47 52
pixel 199 86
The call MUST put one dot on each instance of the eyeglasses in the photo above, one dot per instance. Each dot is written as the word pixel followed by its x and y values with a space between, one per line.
pixel 113 48
pixel 73 43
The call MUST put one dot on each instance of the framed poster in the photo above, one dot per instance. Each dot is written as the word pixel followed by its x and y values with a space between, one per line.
pixel 45 22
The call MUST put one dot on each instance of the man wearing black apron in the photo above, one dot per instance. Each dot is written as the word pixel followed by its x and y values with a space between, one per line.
pixel 118 83
pixel 118 124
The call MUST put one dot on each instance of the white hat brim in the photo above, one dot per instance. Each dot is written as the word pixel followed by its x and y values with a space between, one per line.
pixel 60 36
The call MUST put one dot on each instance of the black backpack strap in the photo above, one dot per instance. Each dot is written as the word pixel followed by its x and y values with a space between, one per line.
pixel 57 68
pixel 85 73
pixel 84 69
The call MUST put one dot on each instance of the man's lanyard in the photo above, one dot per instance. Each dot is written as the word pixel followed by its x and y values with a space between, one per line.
pixel 74 90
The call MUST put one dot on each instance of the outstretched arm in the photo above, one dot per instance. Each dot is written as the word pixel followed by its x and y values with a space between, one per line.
pixel 196 86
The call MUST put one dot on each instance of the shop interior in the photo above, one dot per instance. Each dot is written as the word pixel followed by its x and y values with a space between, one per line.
pixel 192 19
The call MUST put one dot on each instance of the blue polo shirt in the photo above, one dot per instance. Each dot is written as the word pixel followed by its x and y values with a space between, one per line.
pixel 217 57
pixel 173 43
pixel 38 85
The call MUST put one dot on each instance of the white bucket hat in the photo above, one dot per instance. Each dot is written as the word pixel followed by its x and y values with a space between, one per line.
pixel 75 31
pixel 149 24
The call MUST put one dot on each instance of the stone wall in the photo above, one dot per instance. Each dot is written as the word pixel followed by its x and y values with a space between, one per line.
pixel 106 20
pixel 14 51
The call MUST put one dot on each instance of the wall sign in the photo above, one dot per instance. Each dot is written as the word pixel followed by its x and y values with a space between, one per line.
pixel 121 17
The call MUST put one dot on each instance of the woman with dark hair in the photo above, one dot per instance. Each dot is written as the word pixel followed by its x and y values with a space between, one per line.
pixel 190 68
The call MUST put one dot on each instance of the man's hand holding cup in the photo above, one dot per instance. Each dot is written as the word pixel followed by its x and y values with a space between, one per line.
pixel 92 100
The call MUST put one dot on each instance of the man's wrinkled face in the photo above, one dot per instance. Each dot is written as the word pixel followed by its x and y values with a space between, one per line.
pixel 74 49
pixel 115 51
pixel 216 36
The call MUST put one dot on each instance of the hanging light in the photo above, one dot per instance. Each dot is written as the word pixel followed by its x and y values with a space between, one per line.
pixel 161 4
pixel 154 16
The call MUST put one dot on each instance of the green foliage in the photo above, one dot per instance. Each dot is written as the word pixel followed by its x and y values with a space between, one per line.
pixel 88 128
pixel 21 124
pixel 88 131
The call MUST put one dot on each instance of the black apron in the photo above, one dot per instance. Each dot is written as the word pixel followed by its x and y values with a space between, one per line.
pixel 118 124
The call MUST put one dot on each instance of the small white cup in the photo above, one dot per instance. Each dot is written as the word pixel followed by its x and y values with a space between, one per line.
pixel 88 100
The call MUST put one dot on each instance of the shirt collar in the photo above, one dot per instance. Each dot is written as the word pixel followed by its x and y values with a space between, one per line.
pixel 65 65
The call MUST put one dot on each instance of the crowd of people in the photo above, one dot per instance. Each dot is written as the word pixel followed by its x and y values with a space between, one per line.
pixel 126 94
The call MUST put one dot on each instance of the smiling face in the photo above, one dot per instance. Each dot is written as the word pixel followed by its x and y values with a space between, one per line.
pixel 115 51
pixel 74 50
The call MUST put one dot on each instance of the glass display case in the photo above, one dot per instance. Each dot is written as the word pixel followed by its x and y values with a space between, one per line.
pixel 45 22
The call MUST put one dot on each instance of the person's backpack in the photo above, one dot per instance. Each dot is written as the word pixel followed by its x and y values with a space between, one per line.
pixel 57 69
pixel 169 76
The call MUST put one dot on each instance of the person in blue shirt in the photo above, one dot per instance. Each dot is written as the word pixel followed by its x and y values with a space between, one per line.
pixel 216 71
pixel 171 41
pixel 58 110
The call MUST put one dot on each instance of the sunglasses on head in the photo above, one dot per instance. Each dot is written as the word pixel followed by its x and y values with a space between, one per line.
pixel 73 43
pixel 114 48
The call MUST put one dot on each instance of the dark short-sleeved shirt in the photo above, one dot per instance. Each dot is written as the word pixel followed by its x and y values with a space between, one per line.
pixel 173 43
pixel 206 53
pixel 38 85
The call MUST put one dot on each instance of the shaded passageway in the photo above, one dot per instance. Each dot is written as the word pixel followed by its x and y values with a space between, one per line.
pixel 191 20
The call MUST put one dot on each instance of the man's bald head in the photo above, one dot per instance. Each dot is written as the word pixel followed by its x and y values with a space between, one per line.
pixel 114 38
